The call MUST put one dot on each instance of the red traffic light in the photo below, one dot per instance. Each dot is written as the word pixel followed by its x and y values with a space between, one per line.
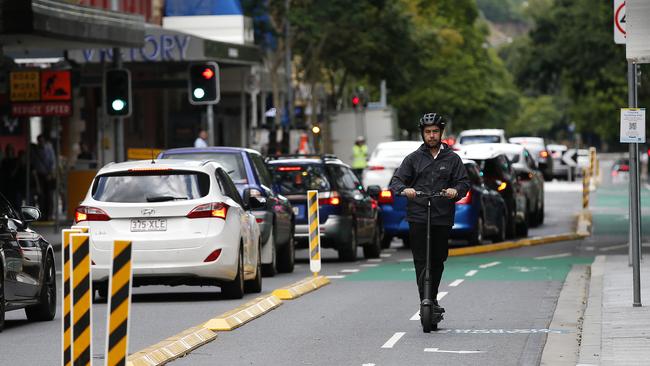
pixel 207 73
pixel 355 101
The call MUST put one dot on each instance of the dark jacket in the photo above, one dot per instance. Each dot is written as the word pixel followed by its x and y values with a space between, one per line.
pixel 421 171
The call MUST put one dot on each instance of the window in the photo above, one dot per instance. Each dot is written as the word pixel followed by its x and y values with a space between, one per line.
pixel 150 186
pixel 473 174
pixel 229 188
pixel 232 162
pixel 262 170
pixel 480 139
pixel 298 179
pixel 6 211
pixel 344 181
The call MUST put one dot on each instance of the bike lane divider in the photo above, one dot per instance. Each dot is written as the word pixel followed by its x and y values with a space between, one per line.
pixel 390 343
pixel 456 282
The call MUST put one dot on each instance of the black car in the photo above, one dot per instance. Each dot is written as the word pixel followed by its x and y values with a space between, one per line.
pixel 348 215
pixel 27 272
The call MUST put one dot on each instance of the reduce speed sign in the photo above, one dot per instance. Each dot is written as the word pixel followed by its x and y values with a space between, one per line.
pixel 619 21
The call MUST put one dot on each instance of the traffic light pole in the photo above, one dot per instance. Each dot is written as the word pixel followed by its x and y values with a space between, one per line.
pixel 119 121
pixel 635 227
pixel 210 117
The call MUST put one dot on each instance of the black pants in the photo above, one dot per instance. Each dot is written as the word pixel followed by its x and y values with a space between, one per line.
pixel 439 253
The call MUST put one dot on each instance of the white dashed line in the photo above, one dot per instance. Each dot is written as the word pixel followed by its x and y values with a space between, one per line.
pixel 406 260
pixel 370 265
pixel 471 273
pixel 589 248
pixel 394 339
pixel 375 260
pixel 488 265
pixel 335 277
pixel 385 255
pixel 350 270
pixel 456 283
pixel 554 256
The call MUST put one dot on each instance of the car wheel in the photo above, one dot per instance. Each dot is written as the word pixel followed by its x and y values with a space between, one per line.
pixel 522 228
pixel 476 237
pixel 235 288
pixel 255 285
pixel 2 299
pixel 271 269
pixel 287 256
pixel 373 249
pixel 46 308
pixel 349 252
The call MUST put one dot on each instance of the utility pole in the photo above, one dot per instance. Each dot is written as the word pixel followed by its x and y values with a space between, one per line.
pixel 119 121
pixel 288 72
pixel 635 212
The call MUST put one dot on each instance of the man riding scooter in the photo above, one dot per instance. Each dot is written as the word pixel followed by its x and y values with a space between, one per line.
pixel 433 177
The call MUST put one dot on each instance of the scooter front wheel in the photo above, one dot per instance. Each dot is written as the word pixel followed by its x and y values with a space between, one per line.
pixel 426 318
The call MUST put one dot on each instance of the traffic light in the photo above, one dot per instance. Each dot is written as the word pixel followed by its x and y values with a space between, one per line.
pixel 204 83
pixel 315 129
pixel 117 92
pixel 355 101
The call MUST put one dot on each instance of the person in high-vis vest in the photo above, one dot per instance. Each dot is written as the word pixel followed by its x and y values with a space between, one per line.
pixel 359 156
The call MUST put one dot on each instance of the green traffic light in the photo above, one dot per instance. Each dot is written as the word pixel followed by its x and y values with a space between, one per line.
pixel 199 93
pixel 118 105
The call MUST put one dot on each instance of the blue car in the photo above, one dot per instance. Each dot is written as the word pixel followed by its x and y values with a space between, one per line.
pixel 479 215
pixel 248 171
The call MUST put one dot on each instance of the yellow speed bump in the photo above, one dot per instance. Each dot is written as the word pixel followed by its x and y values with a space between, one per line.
pixel 172 347
pixel 243 314
pixel 300 288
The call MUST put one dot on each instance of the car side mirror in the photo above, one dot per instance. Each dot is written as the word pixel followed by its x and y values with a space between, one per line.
pixel 374 191
pixel 256 203
pixel 30 214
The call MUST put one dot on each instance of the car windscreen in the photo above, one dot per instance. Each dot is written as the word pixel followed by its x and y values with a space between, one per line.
pixel 480 139
pixel 392 153
pixel 231 162
pixel 514 157
pixel 298 179
pixel 150 186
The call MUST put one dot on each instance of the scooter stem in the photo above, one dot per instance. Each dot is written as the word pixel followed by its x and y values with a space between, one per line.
pixel 427 282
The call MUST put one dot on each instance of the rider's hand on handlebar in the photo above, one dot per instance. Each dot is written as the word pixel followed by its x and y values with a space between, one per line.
pixel 409 192
pixel 451 193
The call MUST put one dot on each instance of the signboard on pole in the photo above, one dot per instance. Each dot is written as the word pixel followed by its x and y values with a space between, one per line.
pixel 619 21
pixel 633 125
pixel 41 93
pixel 637 45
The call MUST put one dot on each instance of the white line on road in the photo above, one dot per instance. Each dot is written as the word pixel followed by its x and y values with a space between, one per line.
pixel 385 255
pixel 554 256
pixel 368 364
pixel 441 294
pixel 370 265
pixel 590 248
pixel 487 265
pixel 613 247
pixel 456 283
pixel 375 260
pixel 471 273
pixel 390 250
pixel 394 339
pixel 406 260
pixel 444 351
pixel 350 270
pixel 335 277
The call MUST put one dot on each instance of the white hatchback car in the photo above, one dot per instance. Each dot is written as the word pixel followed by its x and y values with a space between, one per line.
pixel 385 159
pixel 186 220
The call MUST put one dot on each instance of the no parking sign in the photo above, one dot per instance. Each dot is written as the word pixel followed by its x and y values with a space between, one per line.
pixel 619 21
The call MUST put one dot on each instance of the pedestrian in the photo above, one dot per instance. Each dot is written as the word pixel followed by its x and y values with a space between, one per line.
pixel 202 139
pixel 44 161
pixel 432 168
pixel 359 156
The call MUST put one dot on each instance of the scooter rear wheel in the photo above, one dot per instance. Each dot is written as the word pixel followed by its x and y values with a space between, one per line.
pixel 426 318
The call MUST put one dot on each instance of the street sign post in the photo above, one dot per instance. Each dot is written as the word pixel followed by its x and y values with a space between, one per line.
pixel 633 125
pixel 619 21
pixel 570 157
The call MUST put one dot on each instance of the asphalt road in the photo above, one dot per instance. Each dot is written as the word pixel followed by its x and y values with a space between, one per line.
pixel 499 305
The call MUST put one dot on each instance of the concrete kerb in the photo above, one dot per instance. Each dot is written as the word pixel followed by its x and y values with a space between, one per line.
pixel 590 342
pixel 300 288
pixel 243 314
pixel 172 348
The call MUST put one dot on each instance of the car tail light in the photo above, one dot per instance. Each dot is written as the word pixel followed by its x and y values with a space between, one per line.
pixel 214 209
pixel 289 168
pixel 375 167
pixel 259 220
pixel 624 168
pixel 213 256
pixel 334 199
pixel 386 197
pixel 502 186
pixel 85 213
pixel 373 203
pixel 614 173
pixel 465 200
pixel 543 154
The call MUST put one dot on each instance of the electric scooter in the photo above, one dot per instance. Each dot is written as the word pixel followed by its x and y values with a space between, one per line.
pixel 428 317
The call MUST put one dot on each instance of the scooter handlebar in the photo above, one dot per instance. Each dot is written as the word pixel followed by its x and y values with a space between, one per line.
pixel 426 194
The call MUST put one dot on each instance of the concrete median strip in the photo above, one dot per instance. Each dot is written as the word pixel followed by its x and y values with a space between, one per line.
pixel 243 314
pixel 300 288
pixel 172 347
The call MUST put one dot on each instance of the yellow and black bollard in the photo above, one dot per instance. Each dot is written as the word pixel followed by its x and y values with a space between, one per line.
pixel 81 300
pixel 66 334
pixel 585 188
pixel 119 303
pixel 314 232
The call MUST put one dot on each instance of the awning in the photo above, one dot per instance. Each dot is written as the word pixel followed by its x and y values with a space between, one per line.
pixel 26 25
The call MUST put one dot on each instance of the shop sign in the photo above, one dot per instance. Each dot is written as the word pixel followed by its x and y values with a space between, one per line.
pixel 60 109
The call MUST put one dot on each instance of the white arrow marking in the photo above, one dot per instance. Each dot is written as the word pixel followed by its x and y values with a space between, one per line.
pixel 391 342
pixel 456 283
pixel 471 273
pixel 487 265
pixel 554 256
pixel 444 351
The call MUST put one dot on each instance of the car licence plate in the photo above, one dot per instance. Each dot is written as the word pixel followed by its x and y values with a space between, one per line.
pixel 149 225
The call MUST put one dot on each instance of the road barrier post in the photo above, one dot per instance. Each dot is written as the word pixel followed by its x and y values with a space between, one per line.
pixel 314 232
pixel 81 300
pixel 66 333
pixel 585 188
pixel 119 303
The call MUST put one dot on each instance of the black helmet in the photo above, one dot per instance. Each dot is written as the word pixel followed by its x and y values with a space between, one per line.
pixel 432 119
